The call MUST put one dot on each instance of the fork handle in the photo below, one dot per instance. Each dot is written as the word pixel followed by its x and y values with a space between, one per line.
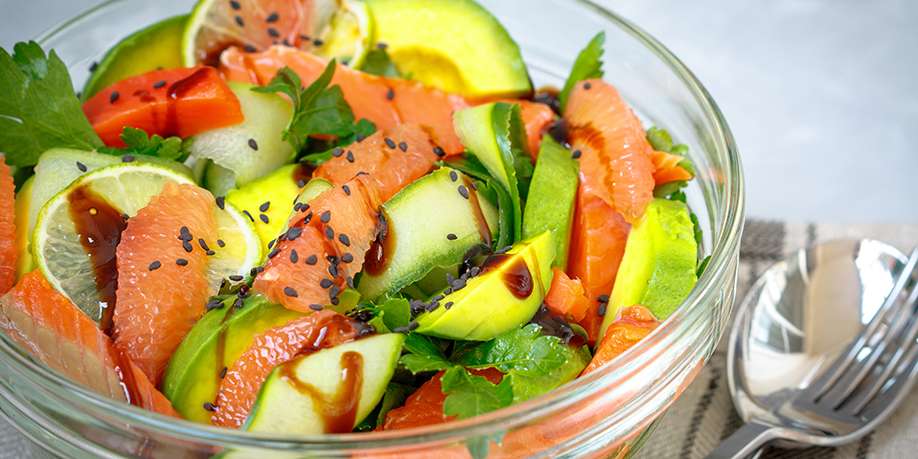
pixel 745 441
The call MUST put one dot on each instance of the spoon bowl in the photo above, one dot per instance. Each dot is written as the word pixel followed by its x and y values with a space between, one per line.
pixel 796 320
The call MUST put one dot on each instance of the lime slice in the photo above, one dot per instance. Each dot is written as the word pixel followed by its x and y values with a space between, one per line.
pixel 330 28
pixel 88 217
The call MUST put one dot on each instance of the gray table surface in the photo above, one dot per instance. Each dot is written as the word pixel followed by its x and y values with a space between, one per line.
pixel 822 95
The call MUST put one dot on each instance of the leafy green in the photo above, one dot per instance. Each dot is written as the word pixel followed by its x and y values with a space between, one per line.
pixel 423 355
pixel 703 265
pixel 317 110
pixel 588 65
pixel 394 313
pixel 38 108
pixel 137 142
pixel 469 395
pixel 660 139
pixel 378 62
pixel 362 129
pixel 534 363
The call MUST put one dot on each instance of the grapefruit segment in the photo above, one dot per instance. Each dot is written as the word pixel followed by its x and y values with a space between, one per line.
pixel 425 406
pixel 598 240
pixel 566 297
pixel 162 287
pixel 667 168
pixel 8 252
pixel 312 264
pixel 56 332
pixel 635 323
pixel 177 102
pixel 390 169
pixel 615 159
pixel 239 389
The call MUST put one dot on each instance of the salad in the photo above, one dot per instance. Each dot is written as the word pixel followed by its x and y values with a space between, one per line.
pixel 317 216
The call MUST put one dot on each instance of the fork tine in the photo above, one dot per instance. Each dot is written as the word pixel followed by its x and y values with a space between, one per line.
pixel 831 377
pixel 906 346
pixel 905 380
pixel 901 315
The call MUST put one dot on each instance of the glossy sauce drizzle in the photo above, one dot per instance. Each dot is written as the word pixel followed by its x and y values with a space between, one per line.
pixel 99 226
pixel 176 91
pixel 338 411
pixel 517 277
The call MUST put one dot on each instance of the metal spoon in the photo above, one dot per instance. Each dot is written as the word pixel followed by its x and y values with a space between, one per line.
pixel 798 329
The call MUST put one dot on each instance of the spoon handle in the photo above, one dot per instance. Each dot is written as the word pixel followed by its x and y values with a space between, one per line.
pixel 745 441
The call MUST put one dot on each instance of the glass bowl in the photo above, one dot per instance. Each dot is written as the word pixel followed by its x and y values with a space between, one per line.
pixel 607 413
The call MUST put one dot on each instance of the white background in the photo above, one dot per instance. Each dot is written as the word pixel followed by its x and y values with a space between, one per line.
pixel 822 95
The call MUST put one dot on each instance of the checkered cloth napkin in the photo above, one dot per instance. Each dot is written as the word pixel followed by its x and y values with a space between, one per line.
pixel 704 414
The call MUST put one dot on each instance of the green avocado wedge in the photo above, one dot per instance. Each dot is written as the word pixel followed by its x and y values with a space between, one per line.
pixel 506 294
pixel 156 46
pixel 328 391
pixel 454 45
pixel 431 226
pixel 494 135
pixel 215 342
pixel 658 269
pixel 552 194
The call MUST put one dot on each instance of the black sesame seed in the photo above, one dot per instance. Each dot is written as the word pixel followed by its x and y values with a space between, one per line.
pixel 184 234
pixel 473 186
pixel 273 32
pixel 350 282
pixel 238 303
pixel 325 217
pixel 576 154
pixel 239 21
pixel 274 252
pixel 390 143
pixel 253 144
pixel 347 189
pixel 347 257
pixel 294 257
pixel 333 292
pixel 220 243
pixel 390 94
pixel 601 311
pixel 350 156
pixel 223 372
pixel 289 291
pixel 263 218
pixel 307 218
pixel 294 233
pixel 448 305
pixel 159 84
pixel 265 206
pixel 187 246
pixel 439 152
pixel 127 159
pixel 329 233
pixel 301 183
pixel 181 262
pixel 603 298
pixel 333 270
pixel 249 48
pixel 451 237
pixel 332 259
pixel 273 17
pixel 382 45
pixel 316 307
pixel 344 239
pixel 271 243
pixel 305 37
pixel 326 283
pixel 247 214
pixel 312 259
pixel 403 146
pixel 214 303
pixel 337 152
pixel 235 5
pixel 464 191
pixel 94 66
pixel 203 245
pixel 210 406
pixel 413 325
pixel 221 202
pixel 587 85
pixel 154 266
pixel 318 42
pixel 82 167
pixel 453 176
pixel 113 97
pixel 235 278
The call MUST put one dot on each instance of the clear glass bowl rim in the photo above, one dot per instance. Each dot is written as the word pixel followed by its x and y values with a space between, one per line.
pixel 724 248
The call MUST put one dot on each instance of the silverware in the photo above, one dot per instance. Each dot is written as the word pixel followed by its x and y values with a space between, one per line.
pixel 823 348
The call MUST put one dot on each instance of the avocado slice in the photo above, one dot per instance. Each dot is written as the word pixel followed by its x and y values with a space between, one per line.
pixel 507 293
pixel 275 193
pixel 156 46
pixel 552 194
pixel 312 394
pixel 421 38
pixel 494 134
pixel 215 342
pixel 249 150
pixel 658 269
pixel 429 225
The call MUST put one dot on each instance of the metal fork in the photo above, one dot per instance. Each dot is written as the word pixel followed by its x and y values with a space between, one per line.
pixel 858 391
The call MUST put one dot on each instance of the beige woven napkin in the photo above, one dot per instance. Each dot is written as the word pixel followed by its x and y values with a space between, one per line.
pixel 704 415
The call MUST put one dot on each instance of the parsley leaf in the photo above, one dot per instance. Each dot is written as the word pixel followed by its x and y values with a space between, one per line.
pixel 394 313
pixel 139 143
pixel 588 65
pixel 378 62
pixel 38 109
pixel 317 110
pixel 469 395
pixel 423 355
pixel 533 362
